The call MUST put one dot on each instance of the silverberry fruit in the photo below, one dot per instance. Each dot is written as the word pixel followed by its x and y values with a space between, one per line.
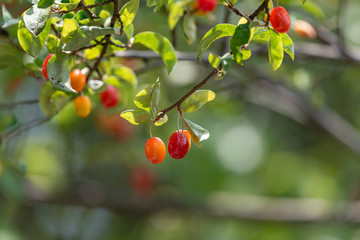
pixel 178 145
pixel 280 19
pixel 155 150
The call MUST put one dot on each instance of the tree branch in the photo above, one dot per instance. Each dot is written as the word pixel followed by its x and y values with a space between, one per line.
pixel 23 128
pixel 15 104
pixel 219 204
pixel 83 6
pixel 181 100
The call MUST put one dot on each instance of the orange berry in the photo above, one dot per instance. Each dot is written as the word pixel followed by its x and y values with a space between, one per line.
pixel 82 106
pixel 304 29
pixel 155 150
pixel 188 136
pixel 77 80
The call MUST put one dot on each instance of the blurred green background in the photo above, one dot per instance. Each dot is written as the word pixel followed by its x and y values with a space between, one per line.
pixel 282 161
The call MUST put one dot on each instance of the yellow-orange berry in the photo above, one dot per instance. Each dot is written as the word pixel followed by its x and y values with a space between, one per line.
pixel 188 136
pixel 304 29
pixel 155 150
pixel 77 80
pixel 82 106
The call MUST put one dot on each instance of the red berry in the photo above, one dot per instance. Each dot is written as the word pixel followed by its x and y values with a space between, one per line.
pixel 110 97
pixel 178 145
pixel 44 66
pixel 142 180
pixel 207 5
pixel 280 19
pixel 155 150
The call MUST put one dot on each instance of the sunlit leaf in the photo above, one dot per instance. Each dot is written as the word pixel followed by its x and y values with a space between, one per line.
pixel 261 34
pixel 197 132
pixel 197 100
pixel 288 45
pixel 148 98
pixel 129 31
pixel 189 27
pixel 125 73
pixel 219 31
pixel 176 12
pixel 31 44
pixel 35 19
pixel 128 12
pixel 159 44
pixel 214 60
pixel 70 27
pixel 276 51
pixel 135 117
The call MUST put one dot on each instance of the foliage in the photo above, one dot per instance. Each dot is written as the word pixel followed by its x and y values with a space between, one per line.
pixel 281 127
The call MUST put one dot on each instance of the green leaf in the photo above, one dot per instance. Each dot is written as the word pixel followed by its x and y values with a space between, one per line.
pixel 9 55
pixel 148 98
pixel 128 12
pixel 176 12
pixel 226 61
pixel 31 44
pixel 135 117
pixel 152 3
pixel 288 45
pixel 7 19
pixel 276 51
pixel 35 19
pixel 126 74
pixel 240 37
pixel 232 2
pixel 197 132
pixel 50 100
pixel 45 3
pixel 58 69
pixel 197 100
pixel 261 34
pixel 219 31
pixel 84 35
pixel 314 9
pixel 159 44
pixel 214 60
pixel 303 1
pixel 189 28
pixel 70 27
pixel 129 31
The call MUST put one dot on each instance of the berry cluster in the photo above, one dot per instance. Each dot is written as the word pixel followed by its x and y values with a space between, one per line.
pixel 108 98
pixel 178 146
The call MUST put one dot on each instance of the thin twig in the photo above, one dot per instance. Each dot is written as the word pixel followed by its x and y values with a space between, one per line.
pixel 264 5
pixel 81 7
pixel 23 128
pixel 15 104
pixel 181 100
pixel 237 12
pixel 88 11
